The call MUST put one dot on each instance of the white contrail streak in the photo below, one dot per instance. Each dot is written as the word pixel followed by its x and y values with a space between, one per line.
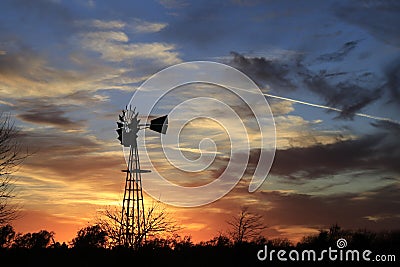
pixel 331 108
pixel 326 107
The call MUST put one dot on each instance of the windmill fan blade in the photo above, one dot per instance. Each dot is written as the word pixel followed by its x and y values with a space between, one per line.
pixel 119 131
pixel 159 124
pixel 121 118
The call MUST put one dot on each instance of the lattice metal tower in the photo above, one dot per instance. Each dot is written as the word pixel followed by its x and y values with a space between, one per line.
pixel 133 219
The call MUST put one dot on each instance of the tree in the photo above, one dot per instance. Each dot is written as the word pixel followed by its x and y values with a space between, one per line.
pixel 158 222
pixel 90 237
pixel 40 239
pixel 7 235
pixel 11 156
pixel 182 243
pixel 219 241
pixel 245 226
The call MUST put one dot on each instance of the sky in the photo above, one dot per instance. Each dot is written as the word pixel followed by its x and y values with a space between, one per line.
pixel 330 71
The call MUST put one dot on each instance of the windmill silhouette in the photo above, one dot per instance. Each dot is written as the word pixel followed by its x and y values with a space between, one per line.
pixel 132 231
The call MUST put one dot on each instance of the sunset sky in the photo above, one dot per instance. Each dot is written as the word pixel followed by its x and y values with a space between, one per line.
pixel 330 71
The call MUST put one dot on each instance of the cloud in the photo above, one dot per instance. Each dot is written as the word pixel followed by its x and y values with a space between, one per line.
pixel 379 18
pixel 370 152
pixel 341 53
pixel 294 131
pixel 141 26
pixel 393 128
pixel 346 91
pixel 52 142
pixel 392 73
pixel 298 209
pixel 90 169
pixel 107 25
pixel 114 47
pixel 271 72
pixel 135 25
pixel 71 160
pixel 294 215
pixel 279 108
pixel 28 73
pixel 49 114
pixel 345 95
pixel 105 36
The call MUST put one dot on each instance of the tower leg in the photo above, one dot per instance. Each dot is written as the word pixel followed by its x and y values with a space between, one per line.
pixel 133 223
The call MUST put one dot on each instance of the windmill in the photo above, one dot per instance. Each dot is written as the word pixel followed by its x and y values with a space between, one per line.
pixel 133 222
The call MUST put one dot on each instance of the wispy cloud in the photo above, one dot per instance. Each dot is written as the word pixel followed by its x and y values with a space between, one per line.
pixel 27 73
pixel 107 24
pixel 341 53
pixel 135 25
pixel 50 114
pixel 141 26
pixel 115 47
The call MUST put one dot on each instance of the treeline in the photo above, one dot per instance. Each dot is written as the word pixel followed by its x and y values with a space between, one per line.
pixel 90 247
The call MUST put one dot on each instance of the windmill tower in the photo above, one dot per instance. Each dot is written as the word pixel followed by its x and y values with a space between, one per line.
pixel 133 220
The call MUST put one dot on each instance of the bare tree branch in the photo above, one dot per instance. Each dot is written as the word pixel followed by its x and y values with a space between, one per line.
pixel 246 226
pixel 11 156
pixel 158 223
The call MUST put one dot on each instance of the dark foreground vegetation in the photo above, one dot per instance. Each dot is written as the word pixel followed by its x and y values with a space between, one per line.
pixel 91 248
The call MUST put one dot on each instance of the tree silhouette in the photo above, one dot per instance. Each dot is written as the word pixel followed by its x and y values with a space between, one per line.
pixel 40 239
pixel 158 223
pixel 10 157
pixel 7 235
pixel 90 237
pixel 245 226
pixel 218 241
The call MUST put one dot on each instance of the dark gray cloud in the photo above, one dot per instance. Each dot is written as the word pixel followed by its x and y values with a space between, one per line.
pixel 322 160
pixel 52 142
pixel 69 156
pixel 388 126
pixel 46 113
pixel 345 95
pixel 264 71
pixel 18 61
pixel 379 18
pixel 376 209
pixel 377 152
pixel 356 209
pixel 392 73
pixel 339 54
pixel 345 90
